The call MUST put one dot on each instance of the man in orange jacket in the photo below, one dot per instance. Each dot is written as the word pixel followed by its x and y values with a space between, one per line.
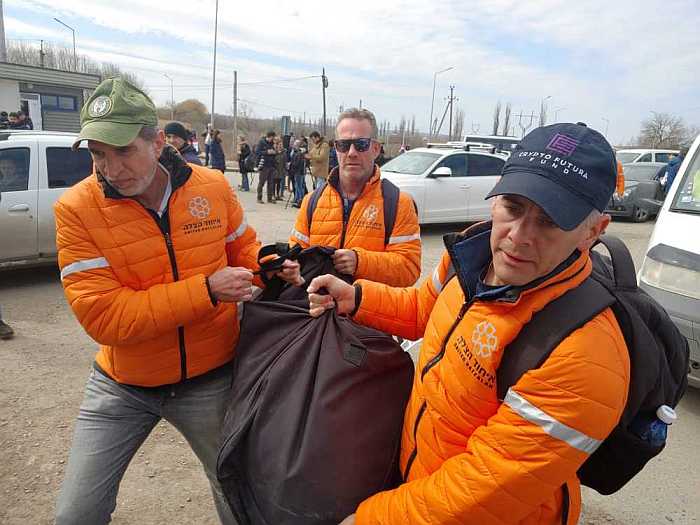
pixel 349 213
pixel 468 457
pixel 154 255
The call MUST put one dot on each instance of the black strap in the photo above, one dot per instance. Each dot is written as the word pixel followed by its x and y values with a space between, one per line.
pixel 282 251
pixel 625 275
pixel 313 202
pixel 390 196
pixel 549 327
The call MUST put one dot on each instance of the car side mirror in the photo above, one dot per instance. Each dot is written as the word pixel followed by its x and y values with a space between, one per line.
pixel 442 171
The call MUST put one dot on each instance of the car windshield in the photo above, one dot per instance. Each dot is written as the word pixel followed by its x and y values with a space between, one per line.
pixel 687 198
pixel 626 156
pixel 641 171
pixel 411 163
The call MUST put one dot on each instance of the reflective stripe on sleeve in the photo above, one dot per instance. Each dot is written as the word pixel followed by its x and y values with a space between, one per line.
pixel 551 426
pixel 83 266
pixel 437 283
pixel 404 238
pixel 239 231
pixel 300 236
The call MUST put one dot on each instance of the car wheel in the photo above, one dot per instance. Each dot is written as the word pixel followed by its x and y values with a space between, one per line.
pixel 640 215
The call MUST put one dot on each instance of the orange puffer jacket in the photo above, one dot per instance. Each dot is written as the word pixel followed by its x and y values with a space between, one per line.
pixel 397 263
pixel 141 292
pixel 468 458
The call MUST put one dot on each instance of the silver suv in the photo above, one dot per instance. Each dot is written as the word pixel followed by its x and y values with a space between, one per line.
pixel 36 167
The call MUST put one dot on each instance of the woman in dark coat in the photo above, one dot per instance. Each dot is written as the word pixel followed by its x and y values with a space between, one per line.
pixel 244 151
pixel 216 152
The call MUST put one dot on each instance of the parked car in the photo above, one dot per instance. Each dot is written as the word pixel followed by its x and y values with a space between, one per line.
pixel 643 194
pixel 628 156
pixel 36 167
pixel 671 269
pixel 447 183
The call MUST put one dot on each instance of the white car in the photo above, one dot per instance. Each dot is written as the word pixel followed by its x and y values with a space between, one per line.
pixel 626 156
pixel 448 184
pixel 36 167
pixel 671 269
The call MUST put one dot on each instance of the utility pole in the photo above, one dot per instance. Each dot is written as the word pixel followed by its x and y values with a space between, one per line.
pixel 452 100
pixel 235 111
pixel 324 84
pixel 172 96
pixel 360 103
pixel 213 77
pixel 42 54
pixel 3 49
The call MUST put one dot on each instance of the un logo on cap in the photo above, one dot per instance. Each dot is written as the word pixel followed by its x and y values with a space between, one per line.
pixel 100 106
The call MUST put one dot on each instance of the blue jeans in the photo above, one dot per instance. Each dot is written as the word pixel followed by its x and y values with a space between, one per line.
pixel 244 182
pixel 299 189
pixel 114 421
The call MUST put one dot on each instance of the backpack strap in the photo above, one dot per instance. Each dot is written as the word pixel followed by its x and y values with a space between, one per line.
pixel 313 202
pixel 390 196
pixel 549 327
pixel 624 275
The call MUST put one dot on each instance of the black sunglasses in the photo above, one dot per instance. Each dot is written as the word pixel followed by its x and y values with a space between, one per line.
pixel 343 145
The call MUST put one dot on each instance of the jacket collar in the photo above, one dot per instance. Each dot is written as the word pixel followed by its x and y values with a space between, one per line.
pixel 170 160
pixel 470 253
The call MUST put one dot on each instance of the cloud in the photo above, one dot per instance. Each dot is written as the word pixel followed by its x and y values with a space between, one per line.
pixel 597 58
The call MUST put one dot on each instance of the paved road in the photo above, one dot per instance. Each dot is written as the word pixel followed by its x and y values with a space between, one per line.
pixel 45 367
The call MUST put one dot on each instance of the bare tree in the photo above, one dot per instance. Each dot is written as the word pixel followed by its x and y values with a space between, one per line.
pixel 663 130
pixel 496 117
pixel 459 122
pixel 506 120
pixel 55 57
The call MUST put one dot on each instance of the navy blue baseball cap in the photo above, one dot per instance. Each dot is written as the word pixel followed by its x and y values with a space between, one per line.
pixel 568 170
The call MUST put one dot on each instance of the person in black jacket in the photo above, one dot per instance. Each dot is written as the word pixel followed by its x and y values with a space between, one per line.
pixel 297 170
pixel 266 152
pixel 216 152
pixel 177 136
pixel 243 153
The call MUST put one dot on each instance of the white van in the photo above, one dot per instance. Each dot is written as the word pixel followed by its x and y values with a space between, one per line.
pixel 627 156
pixel 671 269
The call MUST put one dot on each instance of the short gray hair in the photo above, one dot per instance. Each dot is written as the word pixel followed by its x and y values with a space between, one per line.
pixel 148 133
pixel 360 114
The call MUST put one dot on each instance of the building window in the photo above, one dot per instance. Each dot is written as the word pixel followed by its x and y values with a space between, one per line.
pixel 59 103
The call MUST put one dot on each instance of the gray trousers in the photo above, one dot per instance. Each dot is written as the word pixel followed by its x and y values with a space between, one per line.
pixel 114 421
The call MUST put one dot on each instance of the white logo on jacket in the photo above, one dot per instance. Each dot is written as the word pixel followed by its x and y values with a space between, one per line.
pixel 199 207
pixel 484 339
pixel 370 213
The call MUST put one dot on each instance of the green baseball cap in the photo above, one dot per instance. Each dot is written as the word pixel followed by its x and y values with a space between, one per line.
pixel 115 113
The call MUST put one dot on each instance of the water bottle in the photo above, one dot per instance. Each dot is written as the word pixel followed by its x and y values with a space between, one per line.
pixel 654 430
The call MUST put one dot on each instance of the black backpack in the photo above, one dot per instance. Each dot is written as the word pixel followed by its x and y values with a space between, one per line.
pixel 390 196
pixel 250 162
pixel 658 352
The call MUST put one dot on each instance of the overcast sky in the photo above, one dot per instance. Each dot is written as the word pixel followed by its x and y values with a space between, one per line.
pixel 597 59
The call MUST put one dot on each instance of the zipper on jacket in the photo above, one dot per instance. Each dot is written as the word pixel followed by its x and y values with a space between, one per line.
pixel 180 329
pixel 163 224
pixel 414 452
pixel 435 360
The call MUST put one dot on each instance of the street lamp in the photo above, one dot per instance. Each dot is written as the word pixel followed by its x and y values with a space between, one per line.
pixel 556 112
pixel 542 115
pixel 75 57
pixel 607 125
pixel 213 77
pixel 172 97
pixel 432 101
